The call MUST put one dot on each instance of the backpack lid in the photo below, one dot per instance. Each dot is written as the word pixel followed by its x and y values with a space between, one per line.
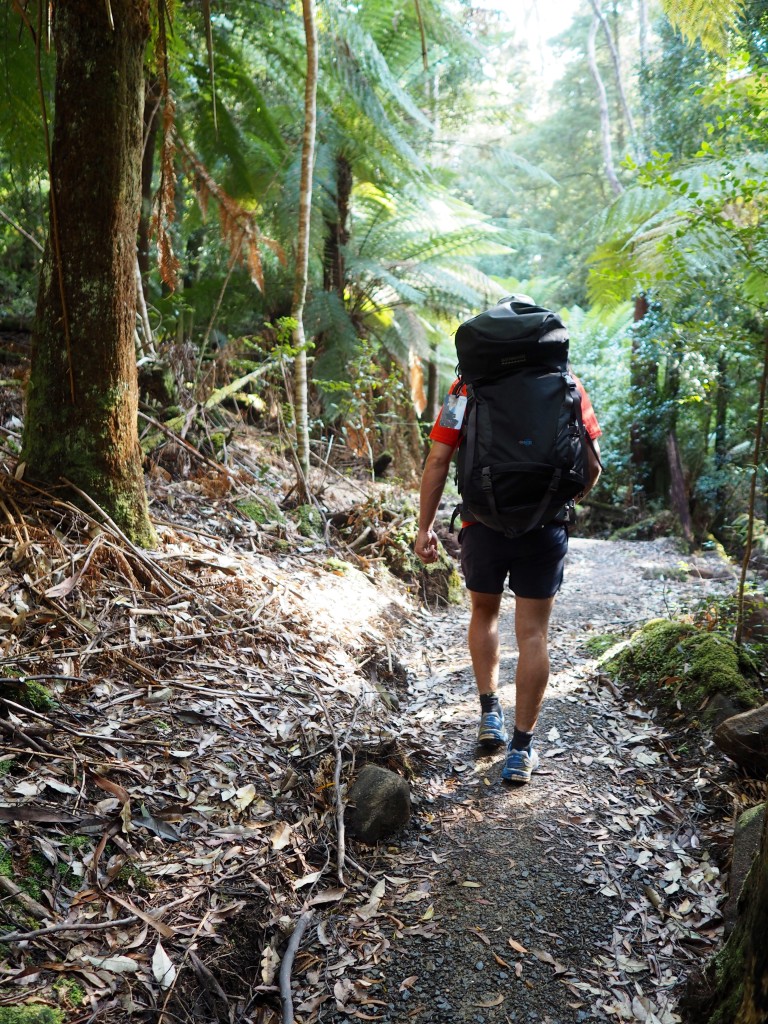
pixel 510 334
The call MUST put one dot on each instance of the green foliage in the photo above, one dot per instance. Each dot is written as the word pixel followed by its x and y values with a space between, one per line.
pixel 707 20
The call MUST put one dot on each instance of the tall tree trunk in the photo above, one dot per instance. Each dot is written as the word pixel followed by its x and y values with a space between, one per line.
pixel 334 270
pixel 605 119
pixel 757 468
pixel 82 400
pixel 721 436
pixel 618 73
pixel 677 490
pixel 733 986
pixel 152 97
pixel 302 254
pixel 433 383
pixel 644 399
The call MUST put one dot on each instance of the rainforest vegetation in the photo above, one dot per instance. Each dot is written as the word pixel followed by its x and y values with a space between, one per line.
pixel 220 215
pixel 279 211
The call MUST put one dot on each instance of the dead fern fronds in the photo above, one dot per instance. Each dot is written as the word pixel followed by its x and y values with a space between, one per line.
pixel 238 225
pixel 165 199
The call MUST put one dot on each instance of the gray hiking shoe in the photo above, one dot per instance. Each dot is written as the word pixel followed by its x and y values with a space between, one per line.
pixel 519 765
pixel 492 732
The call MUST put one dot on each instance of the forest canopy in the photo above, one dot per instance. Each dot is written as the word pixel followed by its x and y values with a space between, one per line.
pixel 611 165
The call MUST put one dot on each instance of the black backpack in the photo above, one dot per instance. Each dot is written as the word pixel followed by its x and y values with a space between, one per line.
pixel 521 459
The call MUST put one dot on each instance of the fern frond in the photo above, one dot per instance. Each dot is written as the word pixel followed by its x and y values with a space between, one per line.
pixel 707 20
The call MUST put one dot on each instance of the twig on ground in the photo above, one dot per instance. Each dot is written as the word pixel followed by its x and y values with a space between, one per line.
pixel 15 733
pixel 340 829
pixel 287 964
pixel 68 926
pixel 31 906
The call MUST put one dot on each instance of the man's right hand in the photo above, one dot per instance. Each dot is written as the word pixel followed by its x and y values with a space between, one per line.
pixel 426 546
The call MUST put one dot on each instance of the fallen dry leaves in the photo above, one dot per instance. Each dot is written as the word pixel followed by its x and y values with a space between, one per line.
pixel 168 812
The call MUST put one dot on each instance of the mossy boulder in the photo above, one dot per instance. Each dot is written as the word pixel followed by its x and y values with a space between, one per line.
pixel 309 520
pixel 731 988
pixel 679 667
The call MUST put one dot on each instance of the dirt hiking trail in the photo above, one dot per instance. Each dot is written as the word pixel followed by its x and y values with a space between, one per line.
pixel 587 895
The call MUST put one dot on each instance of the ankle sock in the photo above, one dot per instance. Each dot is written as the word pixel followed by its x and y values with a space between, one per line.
pixel 489 702
pixel 521 740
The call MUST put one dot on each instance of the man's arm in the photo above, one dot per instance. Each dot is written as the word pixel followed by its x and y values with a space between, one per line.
pixel 592 465
pixel 432 483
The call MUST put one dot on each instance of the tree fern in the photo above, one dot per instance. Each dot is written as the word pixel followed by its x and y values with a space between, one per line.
pixel 707 20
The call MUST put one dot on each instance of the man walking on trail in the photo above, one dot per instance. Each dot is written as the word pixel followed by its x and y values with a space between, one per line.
pixel 533 563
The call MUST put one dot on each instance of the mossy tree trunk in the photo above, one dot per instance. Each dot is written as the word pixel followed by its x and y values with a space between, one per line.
pixel 734 987
pixel 81 421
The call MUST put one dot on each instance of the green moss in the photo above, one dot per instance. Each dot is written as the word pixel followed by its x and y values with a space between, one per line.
pixel 77 842
pixel 675 662
pixel 337 566
pixel 310 521
pixel 6 864
pixel 218 441
pixel 29 1013
pixel 36 871
pixel 5 766
pixel 36 696
pixel 261 510
pixel 598 645
pixel 142 883
pixel 69 992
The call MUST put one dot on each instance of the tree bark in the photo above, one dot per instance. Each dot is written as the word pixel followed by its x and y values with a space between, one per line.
pixel 302 255
pixel 605 119
pixel 756 469
pixel 152 97
pixel 617 70
pixel 677 489
pixel 338 230
pixel 721 436
pixel 733 987
pixel 644 397
pixel 82 398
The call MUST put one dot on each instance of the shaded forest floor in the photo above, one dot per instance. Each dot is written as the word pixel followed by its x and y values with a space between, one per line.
pixel 179 728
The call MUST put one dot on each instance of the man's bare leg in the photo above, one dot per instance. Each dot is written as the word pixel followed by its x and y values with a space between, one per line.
pixel 483 640
pixel 484 648
pixel 531 630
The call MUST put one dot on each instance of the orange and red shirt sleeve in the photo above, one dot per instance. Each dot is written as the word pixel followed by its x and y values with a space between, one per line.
pixel 591 425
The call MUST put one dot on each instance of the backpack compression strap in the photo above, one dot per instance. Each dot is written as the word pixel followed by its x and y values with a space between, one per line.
pixel 541 508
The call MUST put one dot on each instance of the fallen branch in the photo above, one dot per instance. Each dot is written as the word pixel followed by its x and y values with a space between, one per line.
pixel 31 906
pixel 185 444
pixel 15 733
pixel 285 967
pixel 68 926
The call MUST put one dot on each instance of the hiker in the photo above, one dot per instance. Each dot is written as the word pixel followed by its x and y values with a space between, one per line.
pixel 533 560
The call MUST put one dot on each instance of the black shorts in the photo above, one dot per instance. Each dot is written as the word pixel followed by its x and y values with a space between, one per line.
pixel 533 562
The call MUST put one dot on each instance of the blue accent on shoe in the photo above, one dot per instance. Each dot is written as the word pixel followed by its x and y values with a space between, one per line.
pixel 519 764
pixel 492 731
